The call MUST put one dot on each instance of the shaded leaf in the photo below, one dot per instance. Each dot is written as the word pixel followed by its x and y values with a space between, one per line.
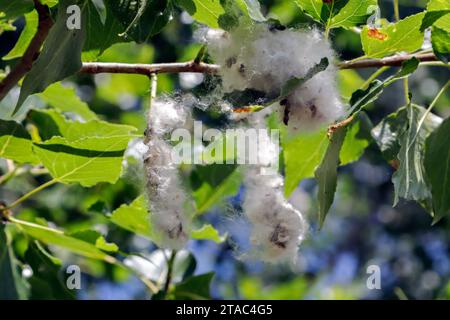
pixel 386 133
pixel 211 184
pixel 409 179
pixel 60 56
pixel 141 19
pixel 47 281
pixel 437 168
pixel 13 286
pixel 15 8
pixel 362 97
pixel 194 288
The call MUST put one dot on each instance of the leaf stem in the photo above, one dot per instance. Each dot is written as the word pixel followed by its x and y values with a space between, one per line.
pixel 170 264
pixel 374 76
pixel 432 104
pixel 396 10
pixel 32 192
pixel 153 91
pixel 405 81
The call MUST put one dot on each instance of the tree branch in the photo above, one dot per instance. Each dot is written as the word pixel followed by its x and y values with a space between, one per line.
pixel 192 66
pixel 393 61
pixel 148 69
pixel 32 52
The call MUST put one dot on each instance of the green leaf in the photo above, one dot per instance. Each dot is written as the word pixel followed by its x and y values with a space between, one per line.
pixel 31 26
pixel 258 100
pixel 87 161
pixel 141 19
pixel 204 11
pixel 65 99
pixel 437 168
pixel 440 39
pixel 13 286
pixel 326 173
pixel 409 180
pixel 60 56
pixel 15 8
pixel 134 217
pixel 345 14
pixel 15 143
pixel 194 288
pixel 362 97
pixel 403 36
pixel 252 9
pixel 212 183
pixel 386 133
pixel 292 84
pixel 95 238
pixel 95 33
pixel 301 156
pixel 208 232
pixel 47 281
pixel 52 123
pixel 356 139
pixel 56 237
pixel 435 10
pixel 87 153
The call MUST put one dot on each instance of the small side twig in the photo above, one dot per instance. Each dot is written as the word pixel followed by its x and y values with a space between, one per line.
pixel 332 129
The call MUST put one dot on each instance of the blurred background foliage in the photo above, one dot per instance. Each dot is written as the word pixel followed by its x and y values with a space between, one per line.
pixel 362 227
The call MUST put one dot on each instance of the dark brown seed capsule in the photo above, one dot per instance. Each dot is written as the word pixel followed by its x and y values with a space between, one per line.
pixel 230 61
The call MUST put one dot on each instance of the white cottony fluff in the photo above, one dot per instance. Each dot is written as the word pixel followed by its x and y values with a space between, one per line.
pixel 277 227
pixel 166 194
pixel 262 58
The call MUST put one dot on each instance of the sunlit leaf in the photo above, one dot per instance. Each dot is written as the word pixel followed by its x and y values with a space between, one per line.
pixel 326 173
pixel 402 36
pixel 31 25
pixel 15 143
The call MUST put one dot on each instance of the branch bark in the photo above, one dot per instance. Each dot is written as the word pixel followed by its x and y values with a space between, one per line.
pixel 393 61
pixel 148 69
pixel 192 66
pixel 32 52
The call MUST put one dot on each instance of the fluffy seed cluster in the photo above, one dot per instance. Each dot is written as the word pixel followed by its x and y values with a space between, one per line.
pixel 165 191
pixel 263 58
pixel 278 228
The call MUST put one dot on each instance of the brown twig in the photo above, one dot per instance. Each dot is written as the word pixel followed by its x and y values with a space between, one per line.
pixel 32 52
pixel 393 61
pixel 192 66
pixel 332 129
pixel 148 69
